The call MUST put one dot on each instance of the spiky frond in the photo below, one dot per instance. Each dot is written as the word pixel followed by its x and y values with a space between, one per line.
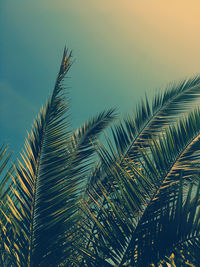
pixel 125 236
pixel 140 204
pixel 149 118
pixel 46 186
pixel 145 189
pixel 44 211
pixel 177 226
pixel 148 121
pixel 84 138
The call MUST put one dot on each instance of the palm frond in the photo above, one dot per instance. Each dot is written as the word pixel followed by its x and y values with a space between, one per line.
pixel 149 118
pixel 177 149
pixel 84 138
pixel 138 206
pixel 46 186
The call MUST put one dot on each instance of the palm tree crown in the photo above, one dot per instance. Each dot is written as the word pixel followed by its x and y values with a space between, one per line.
pixel 133 200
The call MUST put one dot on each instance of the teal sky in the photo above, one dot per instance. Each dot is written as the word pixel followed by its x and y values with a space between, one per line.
pixel 122 49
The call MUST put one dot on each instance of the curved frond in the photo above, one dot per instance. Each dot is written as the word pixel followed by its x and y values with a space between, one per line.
pixel 136 131
pixel 149 118
pixel 138 206
pixel 84 138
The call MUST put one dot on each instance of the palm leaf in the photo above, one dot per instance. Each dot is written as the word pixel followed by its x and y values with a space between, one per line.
pixel 46 186
pixel 84 138
pixel 149 118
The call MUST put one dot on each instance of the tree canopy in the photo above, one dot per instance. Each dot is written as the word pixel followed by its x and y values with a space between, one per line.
pixel 132 200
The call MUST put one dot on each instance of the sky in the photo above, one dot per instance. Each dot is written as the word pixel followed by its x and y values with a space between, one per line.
pixel 122 49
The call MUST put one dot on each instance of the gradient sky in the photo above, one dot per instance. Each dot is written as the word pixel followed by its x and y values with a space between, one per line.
pixel 122 49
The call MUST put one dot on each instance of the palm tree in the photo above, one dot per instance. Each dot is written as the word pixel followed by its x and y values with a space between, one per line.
pixel 133 201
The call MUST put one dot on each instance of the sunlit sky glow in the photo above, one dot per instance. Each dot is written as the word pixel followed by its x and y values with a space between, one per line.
pixel 122 49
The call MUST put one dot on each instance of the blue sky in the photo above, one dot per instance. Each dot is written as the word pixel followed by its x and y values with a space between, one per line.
pixel 122 49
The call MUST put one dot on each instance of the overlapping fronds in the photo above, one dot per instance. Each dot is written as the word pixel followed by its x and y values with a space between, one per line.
pixel 115 209
pixel 148 121
pixel 173 154
pixel 176 227
pixel 144 189
pixel 139 204
pixel 126 233
pixel 43 211
pixel 177 151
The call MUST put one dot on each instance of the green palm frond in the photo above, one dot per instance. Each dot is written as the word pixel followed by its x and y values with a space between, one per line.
pixel 134 201
pixel 176 150
pixel 46 186
pixel 84 138
pixel 149 118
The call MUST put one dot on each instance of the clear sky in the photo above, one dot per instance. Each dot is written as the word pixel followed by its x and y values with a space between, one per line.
pixel 122 49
